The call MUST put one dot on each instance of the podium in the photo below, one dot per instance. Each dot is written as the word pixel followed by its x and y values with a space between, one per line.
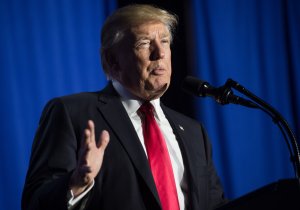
pixel 281 195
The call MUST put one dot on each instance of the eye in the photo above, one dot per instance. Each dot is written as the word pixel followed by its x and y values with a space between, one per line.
pixel 143 44
pixel 165 41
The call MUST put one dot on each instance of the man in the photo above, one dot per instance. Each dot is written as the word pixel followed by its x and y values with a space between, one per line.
pixel 92 150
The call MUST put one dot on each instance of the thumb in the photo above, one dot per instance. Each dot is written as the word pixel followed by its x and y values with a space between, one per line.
pixel 103 140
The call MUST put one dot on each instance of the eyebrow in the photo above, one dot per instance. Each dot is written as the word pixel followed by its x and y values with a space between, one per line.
pixel 147 36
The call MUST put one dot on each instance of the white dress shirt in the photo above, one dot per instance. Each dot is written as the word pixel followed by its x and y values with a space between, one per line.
pixel 131 104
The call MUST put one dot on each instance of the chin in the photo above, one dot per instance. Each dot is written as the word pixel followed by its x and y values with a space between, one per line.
pixel 156 92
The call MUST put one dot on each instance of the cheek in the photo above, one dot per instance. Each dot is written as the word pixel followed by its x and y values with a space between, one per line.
pixel 169 65
pixel 129 65
pixel 133 73
pixel 142 68
pixel 168 59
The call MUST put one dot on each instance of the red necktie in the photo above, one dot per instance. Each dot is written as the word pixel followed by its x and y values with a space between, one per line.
pixel 159 159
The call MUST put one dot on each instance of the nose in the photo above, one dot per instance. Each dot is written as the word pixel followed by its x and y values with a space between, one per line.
pixel 158 51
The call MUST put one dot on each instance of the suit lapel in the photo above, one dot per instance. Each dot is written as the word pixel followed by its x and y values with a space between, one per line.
pixel 190 161
pixel 114 113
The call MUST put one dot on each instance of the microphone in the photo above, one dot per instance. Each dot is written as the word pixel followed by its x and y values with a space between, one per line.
pixel 223 95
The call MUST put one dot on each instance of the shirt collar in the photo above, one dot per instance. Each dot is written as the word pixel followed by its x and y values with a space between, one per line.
pixel 132 103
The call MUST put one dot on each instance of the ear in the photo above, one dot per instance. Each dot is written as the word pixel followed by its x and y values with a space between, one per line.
pixel 112 64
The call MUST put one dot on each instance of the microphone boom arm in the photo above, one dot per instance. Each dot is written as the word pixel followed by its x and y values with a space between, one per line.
pixel 278 119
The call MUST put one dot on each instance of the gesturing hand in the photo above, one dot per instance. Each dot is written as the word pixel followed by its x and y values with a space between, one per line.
pixel 90 159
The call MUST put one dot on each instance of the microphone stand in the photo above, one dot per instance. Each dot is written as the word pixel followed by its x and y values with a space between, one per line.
pixel 278 119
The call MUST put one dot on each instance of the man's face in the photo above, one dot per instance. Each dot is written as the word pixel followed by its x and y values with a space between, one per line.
pixel 143 61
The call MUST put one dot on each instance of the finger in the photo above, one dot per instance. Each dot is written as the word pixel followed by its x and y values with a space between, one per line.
pixel 87 136
pixel 85 139
pixel 103 140
pixel 91 126
pixel 85 146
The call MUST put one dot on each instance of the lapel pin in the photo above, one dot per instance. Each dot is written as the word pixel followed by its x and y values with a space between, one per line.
pixel 181 128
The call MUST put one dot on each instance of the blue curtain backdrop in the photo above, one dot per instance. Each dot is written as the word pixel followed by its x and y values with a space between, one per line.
pixel 48 48
pixel 257 43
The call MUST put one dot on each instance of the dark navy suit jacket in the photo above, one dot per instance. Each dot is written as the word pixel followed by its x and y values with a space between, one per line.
pixel 125 180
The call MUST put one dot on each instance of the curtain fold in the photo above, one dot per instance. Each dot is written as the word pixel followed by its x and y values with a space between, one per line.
pixel 48 49
pixel 257 44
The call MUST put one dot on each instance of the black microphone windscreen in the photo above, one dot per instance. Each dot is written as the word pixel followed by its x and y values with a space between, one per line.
pixel 193 85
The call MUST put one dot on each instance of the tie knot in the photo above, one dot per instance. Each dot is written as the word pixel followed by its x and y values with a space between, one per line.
pixel 146 108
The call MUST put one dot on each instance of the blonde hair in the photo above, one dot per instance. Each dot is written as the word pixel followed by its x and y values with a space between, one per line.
pixel 129 16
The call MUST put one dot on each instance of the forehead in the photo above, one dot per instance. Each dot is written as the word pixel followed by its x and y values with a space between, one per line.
pixel 149 29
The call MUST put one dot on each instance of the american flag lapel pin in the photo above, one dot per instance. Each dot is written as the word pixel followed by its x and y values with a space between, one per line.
pixel 181 128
